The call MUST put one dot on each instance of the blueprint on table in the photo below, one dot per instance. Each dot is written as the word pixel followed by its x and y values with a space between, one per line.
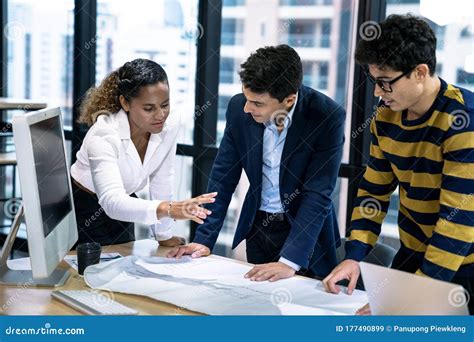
pixel 217 286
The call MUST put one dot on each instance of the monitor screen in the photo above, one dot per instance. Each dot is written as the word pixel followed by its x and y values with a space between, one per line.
pixel 51 172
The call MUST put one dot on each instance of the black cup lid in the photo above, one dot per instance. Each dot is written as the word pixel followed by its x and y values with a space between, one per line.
pixel 89 246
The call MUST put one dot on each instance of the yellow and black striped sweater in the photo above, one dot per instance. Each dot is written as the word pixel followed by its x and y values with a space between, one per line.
pixel 431 160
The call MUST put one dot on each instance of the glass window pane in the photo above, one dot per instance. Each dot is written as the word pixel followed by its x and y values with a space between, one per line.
pixel 40 59
pixel 226 236
pixel 182 190
pixel 164 31
pixel 39 67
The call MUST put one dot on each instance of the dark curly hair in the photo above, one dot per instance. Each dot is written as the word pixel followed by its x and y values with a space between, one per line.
pixel 126 81
pixel 273 69
pixel 401 42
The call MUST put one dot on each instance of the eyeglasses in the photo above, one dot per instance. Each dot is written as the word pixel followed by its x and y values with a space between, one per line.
pixel 386 86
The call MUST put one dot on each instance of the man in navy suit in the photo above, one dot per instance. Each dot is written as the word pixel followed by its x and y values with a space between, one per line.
pixel 288 138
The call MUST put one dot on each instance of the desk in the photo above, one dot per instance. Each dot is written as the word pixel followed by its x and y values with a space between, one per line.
pixel 7 158
pixel 7 103
pixel 24 300
pixel 11 103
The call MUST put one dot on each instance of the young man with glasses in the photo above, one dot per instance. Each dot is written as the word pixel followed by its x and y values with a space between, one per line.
pixel 422 142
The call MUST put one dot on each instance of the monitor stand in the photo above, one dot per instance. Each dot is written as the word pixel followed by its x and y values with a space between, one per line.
pixel 25 278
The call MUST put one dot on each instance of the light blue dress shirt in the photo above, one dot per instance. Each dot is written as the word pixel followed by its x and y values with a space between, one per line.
pixel 273 143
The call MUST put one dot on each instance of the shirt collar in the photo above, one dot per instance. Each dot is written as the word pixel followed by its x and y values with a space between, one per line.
pixel 123 124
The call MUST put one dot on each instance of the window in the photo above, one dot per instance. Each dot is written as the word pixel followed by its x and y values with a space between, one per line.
pixel 232 31
pixel 223 103
pixel 39 66
pixel 315 75
pixel 182 190
pixel 440 32
pixel 233 3
pixel 227 71
pixel 301 33
pixel 323 76
pixel 467 32
pixel 465 78
pixel 325 33
pixel 39 60
pixel 165 32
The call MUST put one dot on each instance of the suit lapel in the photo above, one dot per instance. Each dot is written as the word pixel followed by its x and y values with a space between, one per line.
pixel 294 133
pixel 256 150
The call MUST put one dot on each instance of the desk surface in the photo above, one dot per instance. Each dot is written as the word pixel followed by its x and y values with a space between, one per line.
pixel 37 301
pixel 20 104
pixel 7 158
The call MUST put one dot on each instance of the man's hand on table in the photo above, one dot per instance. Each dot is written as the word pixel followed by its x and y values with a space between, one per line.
pixel 272 271
pixel 196 250
pixel 349 270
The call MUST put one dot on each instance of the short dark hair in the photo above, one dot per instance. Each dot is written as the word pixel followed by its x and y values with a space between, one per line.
pixel 273 69
pixel 401 43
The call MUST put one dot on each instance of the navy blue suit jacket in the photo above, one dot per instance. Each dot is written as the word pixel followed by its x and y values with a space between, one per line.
pixel 308 173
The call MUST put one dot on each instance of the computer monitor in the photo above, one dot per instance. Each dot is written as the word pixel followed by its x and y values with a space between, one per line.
pixel 46 195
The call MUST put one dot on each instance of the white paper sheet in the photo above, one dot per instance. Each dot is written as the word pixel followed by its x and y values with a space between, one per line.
pixel 217 287
pixel 23 264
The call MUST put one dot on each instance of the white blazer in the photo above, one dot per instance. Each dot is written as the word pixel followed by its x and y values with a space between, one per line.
pixel 109 165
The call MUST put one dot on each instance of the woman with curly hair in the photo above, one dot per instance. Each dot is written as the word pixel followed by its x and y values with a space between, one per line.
pixel 131 143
